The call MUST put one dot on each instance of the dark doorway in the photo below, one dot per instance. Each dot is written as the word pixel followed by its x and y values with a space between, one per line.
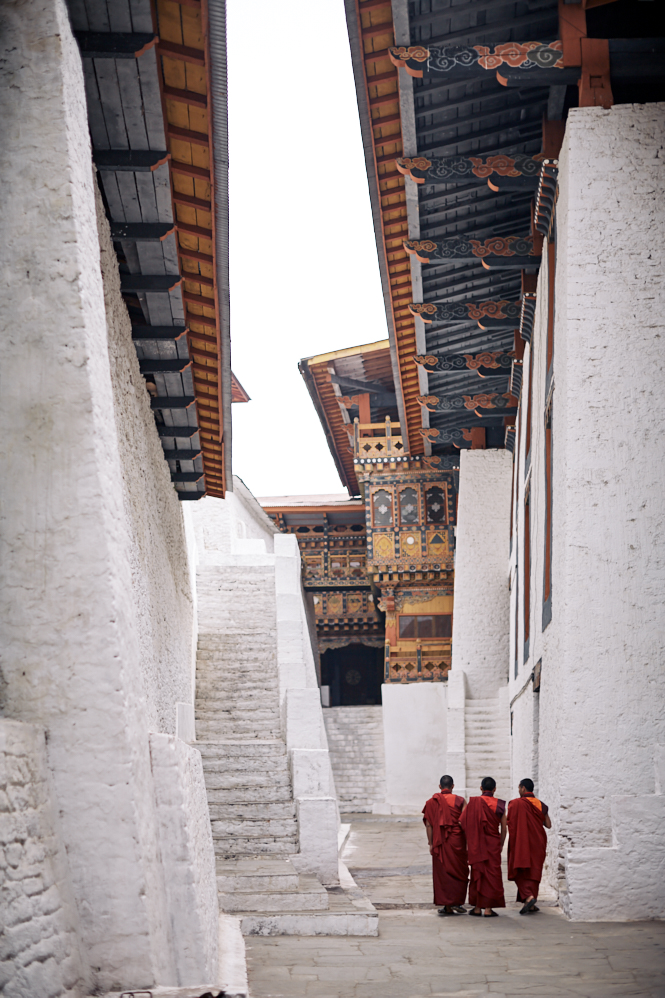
pixel 354 674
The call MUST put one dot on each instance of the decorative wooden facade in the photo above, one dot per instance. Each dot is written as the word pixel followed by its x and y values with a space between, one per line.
pixel 408 512
pixel 333 547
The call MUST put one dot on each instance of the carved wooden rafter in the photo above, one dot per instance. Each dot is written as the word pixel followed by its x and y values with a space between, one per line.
pixel 496 253
pixel 501 172
pixel 487 361
pixel 488 314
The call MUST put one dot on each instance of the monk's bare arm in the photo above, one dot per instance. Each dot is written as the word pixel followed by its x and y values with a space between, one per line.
pixel 428 829
pixel 547 821
pixel 503 829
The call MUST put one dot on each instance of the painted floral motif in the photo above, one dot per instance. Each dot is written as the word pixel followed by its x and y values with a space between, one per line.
pixel 491 309
pixel 523 55
pixel 499 246
pixel 421 309
pixel 482 401
pixel 405 164
pixel 428 360
pixel 493 359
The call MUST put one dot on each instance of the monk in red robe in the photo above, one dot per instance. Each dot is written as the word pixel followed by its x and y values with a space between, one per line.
pixel 484 824
pixel 527 844
pixel 447 846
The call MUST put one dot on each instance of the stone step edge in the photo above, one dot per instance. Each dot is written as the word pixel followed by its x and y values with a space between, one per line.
pixel 310 923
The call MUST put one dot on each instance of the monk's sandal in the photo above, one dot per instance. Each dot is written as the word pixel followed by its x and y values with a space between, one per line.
pixel 528 907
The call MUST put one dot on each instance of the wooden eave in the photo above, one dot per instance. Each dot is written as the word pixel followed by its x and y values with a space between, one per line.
pixel 184 54
pixel 377 366
pixel 162 101
pixel 371 33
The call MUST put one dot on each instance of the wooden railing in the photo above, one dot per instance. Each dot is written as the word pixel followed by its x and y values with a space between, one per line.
pixel 422 665
pixel 370 447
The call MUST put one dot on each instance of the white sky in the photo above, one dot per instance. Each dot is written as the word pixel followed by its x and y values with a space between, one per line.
pixel 304 271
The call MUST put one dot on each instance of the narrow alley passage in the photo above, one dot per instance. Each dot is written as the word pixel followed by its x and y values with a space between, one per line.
pixel 418 953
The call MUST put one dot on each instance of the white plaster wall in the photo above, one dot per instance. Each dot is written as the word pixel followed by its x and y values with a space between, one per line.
pixel 414 729
pixel 39 947
pixel 187 852
pixel 601 721
pixel 162 592
pixel 481 604
pixel 96 609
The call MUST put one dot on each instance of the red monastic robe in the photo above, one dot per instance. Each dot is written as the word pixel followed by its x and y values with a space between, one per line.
pixel 481 822
pixel 450 870
pixel 527 844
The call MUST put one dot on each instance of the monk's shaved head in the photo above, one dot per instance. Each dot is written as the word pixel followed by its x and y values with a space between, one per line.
pixel 488 784
pixel 527 784
pixel 446 783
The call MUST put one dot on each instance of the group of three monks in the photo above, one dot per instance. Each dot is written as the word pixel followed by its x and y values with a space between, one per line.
pixel 463 835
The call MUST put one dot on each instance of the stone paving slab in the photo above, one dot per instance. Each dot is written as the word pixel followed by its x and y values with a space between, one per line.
pixel 418 954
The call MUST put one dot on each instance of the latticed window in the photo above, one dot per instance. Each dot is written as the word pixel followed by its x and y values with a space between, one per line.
pixel 382 508
pixel 435 502
pixel 408 506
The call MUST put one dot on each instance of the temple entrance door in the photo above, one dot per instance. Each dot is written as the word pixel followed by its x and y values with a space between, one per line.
pixel 354 674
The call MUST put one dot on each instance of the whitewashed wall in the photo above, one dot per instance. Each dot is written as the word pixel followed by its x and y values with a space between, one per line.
pixel 38 918
pixel 96 607
pixel 414 731
pixel 481 605
pixel 601 724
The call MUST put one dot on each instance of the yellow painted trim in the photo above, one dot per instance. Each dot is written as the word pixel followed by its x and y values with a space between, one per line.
pixel 324 358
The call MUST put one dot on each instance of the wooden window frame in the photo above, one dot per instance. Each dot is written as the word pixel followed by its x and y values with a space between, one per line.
pixel 393 521
pixel 419 504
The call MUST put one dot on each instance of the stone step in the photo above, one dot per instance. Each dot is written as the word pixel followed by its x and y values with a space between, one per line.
pixel 212 683
pixel 234 702
pixel 259 772
pixel 247 811
pixel 309 895
pixel 349 914
pixel 254 828
pixel 241 847
pixel 267 748
pixel 261 794
pixel 253 874
pixel 244 729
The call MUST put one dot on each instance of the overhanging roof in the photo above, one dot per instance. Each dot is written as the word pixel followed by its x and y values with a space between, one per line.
pixel 155 80
pixel 371 363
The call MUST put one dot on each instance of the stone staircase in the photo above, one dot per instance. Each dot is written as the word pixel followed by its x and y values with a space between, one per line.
pixel 487 746
pixel 357 755
pixel 252 811
pixel 250 798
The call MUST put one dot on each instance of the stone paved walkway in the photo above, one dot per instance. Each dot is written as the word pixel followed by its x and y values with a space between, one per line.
pixel 417 953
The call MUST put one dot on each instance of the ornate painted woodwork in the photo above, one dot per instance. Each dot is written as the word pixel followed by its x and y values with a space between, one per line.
pixel 505 402
pixel 485 364
pixel 497 253
pixel 334 574
pixel 346 612
pixel 488 314
pixel 410 517
pixel 536 63
pixel 500 172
